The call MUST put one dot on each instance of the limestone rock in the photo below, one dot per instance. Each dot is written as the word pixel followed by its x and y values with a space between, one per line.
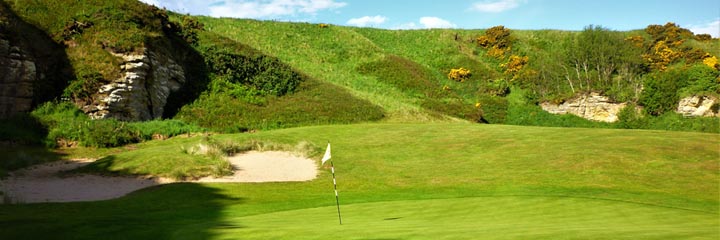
pixel 698 106
pixel 142 91
pixel 592 106
pixel 17 75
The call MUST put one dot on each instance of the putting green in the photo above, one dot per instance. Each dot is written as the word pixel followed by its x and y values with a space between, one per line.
pixel 511 217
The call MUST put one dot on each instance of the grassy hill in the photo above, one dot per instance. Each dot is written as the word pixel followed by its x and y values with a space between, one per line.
pixel 419 181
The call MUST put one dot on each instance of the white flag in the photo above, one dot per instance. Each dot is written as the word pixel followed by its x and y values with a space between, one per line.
pixel 327 155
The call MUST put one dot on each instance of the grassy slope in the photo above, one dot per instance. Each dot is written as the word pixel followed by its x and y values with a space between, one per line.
pixel 333 54
pixel 653 175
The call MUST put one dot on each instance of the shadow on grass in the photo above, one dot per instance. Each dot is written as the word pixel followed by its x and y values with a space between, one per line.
pixel 172 211
pixel 13 157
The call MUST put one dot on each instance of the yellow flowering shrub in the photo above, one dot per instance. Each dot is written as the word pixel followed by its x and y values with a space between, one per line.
pixel 459 74
pixel 711 61
pixel 497 40
pixel 515 64
pixel 637 41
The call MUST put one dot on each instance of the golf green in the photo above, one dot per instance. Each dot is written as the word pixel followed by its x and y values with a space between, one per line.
pixel 500 217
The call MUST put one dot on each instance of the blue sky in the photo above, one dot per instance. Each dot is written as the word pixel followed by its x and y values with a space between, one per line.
pixel 700 16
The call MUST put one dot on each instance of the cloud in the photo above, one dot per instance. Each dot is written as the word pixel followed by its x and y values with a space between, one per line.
pixel 367 20
pixel 495 6
pixel 712 28
pixel 426 22
pixel 271 8
pixel 435 22
pixel 409 25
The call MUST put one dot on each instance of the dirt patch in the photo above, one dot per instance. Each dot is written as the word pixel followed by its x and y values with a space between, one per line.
pixel 44 183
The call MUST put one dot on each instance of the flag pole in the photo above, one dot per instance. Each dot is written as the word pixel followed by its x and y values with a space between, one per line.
pixel 337 201
pixel 332 168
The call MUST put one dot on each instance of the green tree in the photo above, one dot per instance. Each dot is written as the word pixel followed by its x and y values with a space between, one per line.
pixel 661 91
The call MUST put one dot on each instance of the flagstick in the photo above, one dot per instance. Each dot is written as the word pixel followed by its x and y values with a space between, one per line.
pixel 337 201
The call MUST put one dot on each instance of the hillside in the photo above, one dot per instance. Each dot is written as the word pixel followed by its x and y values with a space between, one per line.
pixel 125 61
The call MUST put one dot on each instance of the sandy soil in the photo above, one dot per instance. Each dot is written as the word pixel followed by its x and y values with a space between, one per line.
pixel 43 183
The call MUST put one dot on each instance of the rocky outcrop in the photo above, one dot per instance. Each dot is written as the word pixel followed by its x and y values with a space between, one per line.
pixel 143 89
pixel 17 75
pixel 33 68
pixel 592 106
pixel 698 106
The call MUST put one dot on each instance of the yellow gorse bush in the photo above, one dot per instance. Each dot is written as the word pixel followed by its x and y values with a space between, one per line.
pixel 711 61
pixel 459 74
pixel 515 64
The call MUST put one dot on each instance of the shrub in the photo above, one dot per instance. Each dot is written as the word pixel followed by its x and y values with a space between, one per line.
pixel 108 133
pixel 497 40
pixel 459 74
pixel 711 61
pixel 164 128
pixel 514 64
pixel 265 74
pixel 701 80
pixel 660 93
pixel 630 118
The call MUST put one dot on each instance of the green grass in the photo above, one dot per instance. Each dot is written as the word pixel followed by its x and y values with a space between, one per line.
pixel 502 181
pixel 508 217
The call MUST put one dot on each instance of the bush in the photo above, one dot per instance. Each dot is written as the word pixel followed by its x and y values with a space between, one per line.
pixel 701 80
pixel 63 120
pixel 676 122
pixel 108 133
pixel 316 103
pixel 265 74
pixel 661 91
pixel 630 118
pixel 459 74
pixel 163 128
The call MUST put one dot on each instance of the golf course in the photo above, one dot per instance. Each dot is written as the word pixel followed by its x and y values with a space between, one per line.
pixel 421 181
pixel 128 120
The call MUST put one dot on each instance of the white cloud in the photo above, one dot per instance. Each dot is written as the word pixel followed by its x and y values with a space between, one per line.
pixel 426 22
pixel 712 28
pixel 271 8
pixel 367 20
pixel 495 6
pixel 435 22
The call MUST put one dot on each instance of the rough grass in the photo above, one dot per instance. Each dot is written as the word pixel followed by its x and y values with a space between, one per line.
pixel 545 182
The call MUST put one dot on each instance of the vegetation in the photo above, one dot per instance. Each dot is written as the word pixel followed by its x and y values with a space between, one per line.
pixel 547 177
pixel 396 179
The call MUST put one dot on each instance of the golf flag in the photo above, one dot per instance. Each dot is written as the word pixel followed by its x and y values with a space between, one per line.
pixel 327 155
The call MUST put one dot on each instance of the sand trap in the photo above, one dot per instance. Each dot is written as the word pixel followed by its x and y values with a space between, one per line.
pixel 42 183
pixel 256 166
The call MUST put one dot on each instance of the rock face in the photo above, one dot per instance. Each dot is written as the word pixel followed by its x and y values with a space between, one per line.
pixel 593 107
pixel 33 68
pixel 142 91
pixel 698 106
pixel 17 75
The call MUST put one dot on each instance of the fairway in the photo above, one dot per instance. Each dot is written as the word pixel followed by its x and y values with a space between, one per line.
pixel 510 217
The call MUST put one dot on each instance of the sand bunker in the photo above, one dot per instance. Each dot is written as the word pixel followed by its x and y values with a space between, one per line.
pixel 43 183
